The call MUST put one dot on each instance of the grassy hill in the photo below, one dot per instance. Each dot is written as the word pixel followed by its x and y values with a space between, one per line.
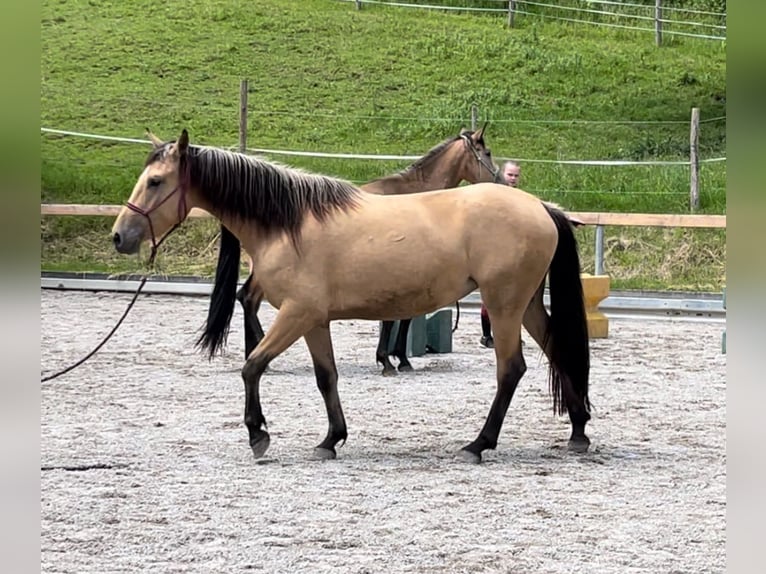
pixel 384 80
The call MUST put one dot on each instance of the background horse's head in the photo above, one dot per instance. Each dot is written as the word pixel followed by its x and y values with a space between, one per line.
pixel 477 166
pixel 158 202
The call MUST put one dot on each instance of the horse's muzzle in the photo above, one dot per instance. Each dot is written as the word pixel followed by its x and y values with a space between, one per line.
pixel 127 242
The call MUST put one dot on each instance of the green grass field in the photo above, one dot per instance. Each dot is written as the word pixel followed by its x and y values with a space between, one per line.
pixel 384 80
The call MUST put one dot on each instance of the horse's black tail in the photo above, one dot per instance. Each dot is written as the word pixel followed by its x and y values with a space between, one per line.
pixel 223 297
pixel 568 327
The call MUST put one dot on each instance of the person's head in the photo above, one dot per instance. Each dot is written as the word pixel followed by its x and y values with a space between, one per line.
pixel 511 173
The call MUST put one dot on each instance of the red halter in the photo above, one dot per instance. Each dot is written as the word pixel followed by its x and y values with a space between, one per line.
pixel 181 187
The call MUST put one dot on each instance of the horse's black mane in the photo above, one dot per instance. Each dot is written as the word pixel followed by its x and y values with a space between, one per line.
pixel 276 197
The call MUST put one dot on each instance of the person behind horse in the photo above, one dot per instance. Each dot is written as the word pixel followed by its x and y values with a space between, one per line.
pixel 511 172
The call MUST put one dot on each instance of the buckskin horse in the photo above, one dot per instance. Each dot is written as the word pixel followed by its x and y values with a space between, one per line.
pixel 324 250
pixel 464 157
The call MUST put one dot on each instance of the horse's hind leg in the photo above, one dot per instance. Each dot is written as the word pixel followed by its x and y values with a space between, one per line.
pixel 537 322
pixel 381 354
pixel 290 324
pixel 400 346
pixel 320 346
pixel 510 368
pixel 250 296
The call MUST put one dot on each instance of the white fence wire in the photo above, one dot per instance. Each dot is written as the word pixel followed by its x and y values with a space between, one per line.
pixel 318 154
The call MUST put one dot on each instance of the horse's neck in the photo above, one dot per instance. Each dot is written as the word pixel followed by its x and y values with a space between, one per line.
pixel 414 181
pixel 397 184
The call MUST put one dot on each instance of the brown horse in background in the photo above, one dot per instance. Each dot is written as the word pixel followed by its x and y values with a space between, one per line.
pixel 464 157
pixel 324 250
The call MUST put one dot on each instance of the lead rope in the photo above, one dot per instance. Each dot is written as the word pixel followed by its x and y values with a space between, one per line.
pixel 155 247
pixel 104 340
pixel 457 316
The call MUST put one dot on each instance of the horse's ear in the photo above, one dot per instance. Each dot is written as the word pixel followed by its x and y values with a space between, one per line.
pixel 480 134
pixel 463 131
pixel 156 142
pixel 183 143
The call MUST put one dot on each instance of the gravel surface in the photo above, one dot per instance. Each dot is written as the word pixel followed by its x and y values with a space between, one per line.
pixel 145 465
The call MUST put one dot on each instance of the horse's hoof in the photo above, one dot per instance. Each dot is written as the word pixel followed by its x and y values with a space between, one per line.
pixel 260 444
pixel 388 372
pixel 468 456
pixel 324 453
pixel 405 368
pixel 578 444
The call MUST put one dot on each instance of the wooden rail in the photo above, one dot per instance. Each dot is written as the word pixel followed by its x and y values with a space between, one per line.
pixel 590 218
pixel 94 209
pixel 651 219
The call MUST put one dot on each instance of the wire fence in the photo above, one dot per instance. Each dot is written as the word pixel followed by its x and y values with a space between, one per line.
pixel 645 165
pixel 615 186
pixel 657 16
pixel 385 157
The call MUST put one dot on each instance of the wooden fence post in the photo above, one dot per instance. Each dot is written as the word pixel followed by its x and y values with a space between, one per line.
pixel 694 160
pixel 511 12
pixel 474 118
pixel 358 5
pixel 658 22
pixel 242 116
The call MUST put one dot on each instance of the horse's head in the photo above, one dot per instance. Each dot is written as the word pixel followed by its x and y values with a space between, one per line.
pixel 477 165
pixel 158 202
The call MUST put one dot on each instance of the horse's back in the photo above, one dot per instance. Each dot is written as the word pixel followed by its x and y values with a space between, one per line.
pixel 506 230
pixel 478 212
pixel 511 207
pixel 484 209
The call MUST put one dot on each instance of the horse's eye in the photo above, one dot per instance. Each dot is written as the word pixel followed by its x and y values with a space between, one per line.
pixel 155 182
pixel 489 152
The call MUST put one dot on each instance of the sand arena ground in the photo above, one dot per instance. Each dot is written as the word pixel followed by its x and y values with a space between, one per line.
pixel 145 465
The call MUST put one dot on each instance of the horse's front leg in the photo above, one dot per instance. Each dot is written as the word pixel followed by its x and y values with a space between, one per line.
pixel 381 355
pixel 320 346
pixel 400 346
pixel 290 324
pixel 250 296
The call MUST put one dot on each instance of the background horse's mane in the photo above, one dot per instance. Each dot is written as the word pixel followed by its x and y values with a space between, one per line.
pixel 433 153
pixel 420 164
pixel 274 196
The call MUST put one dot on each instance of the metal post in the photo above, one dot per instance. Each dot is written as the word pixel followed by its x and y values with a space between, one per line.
pixel 599 250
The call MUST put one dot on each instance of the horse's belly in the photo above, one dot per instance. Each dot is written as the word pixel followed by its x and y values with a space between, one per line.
pixel 391 301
